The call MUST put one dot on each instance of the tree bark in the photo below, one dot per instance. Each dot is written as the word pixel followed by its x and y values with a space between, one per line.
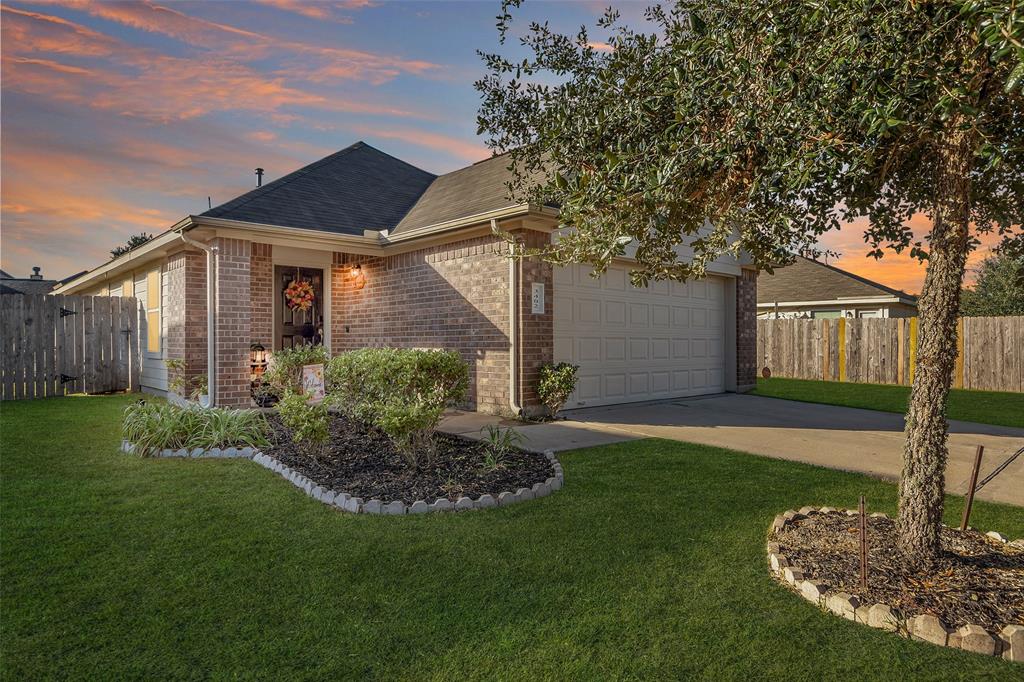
pixel 922 484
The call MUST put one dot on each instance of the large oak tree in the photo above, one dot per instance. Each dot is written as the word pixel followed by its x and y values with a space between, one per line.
pixel 758 125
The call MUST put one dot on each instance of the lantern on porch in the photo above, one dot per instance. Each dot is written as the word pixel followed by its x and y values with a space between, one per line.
pixel 257 360
pixel 358 278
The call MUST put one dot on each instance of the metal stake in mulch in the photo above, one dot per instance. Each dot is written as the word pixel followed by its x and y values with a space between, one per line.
pixel 972 486
pixel 975 486
pixel 863 544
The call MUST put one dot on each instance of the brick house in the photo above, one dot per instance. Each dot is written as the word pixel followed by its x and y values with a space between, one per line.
pixel 398 256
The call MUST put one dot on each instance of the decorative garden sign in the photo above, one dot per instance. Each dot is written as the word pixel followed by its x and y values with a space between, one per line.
pixel 313 382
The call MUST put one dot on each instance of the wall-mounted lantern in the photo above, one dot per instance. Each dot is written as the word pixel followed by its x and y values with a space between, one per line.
pixel 358 278
pixel 257 360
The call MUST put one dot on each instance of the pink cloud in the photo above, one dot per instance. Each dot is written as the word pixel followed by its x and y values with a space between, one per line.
pixel 461 148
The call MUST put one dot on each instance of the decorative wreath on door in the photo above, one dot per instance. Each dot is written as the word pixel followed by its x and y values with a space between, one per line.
pixel 299 295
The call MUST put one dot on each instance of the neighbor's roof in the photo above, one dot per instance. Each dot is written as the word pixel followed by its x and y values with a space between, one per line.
pixel 14 285
pixel 358 188
pixel 810 280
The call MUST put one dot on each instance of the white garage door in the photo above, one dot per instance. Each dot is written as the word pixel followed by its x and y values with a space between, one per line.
pixel 664 341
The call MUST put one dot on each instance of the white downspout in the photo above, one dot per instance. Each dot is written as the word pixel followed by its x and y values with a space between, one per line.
pixel 513 324
pixel 211 319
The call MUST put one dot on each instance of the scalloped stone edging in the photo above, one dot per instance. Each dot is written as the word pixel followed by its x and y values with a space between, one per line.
pixel 225 453
pixel 357 505
pixel 922 626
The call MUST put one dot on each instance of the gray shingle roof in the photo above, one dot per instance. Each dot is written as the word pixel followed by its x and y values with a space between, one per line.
pixel 468 191
pixel 809 280
pixel 358 188
pixel 27 286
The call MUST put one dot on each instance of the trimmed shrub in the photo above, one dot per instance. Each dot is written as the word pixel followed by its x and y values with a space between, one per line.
pixel 307 421
pixel 402 391
pixel 153 426
pixel 284 371
pixel 557 382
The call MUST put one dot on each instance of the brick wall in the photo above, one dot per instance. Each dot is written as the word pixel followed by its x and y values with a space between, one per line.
pixel 746 331
pixel 261 288
pixel 536 330
pixel 234 329
pixel 452 296
pixel 185 314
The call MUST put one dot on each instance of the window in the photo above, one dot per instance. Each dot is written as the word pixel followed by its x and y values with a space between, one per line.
pixel 153 311
pixel 824 314
pixel 128 288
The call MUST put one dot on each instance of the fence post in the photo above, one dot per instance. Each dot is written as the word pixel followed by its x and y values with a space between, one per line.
pixel 842 349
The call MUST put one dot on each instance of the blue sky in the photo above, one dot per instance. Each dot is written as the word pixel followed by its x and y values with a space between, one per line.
pixel 123 117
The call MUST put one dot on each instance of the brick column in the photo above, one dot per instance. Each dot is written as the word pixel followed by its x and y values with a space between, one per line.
pixel 261 288
pixel 746 331
pixel 234 329
pixel 536 331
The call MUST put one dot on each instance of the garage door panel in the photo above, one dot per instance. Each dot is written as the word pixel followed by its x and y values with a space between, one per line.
pixel 615 386
pixel 589 349
pixel 615 312
pixel 632 344
pixel 615 349
pixel 588 311
pixel 638 314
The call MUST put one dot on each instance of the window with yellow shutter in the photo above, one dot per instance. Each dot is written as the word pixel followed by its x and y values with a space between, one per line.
pixel 153 311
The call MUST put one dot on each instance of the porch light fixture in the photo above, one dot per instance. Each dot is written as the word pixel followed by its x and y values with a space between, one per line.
pixel 257 359
pixel 358 278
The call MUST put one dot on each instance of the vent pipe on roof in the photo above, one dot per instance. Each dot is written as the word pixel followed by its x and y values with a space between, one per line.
pixel 259 177
pixel 35 273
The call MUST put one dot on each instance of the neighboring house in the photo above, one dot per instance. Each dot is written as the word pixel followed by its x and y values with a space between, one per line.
pixel 811 289
pixel 398 256
pixel 33 284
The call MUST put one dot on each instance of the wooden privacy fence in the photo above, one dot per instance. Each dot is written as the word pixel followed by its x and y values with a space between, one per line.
pixel 55 345
pixel 883 351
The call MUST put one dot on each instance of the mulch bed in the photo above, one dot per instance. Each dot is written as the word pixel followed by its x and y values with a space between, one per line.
pixel 978 580
pixel 360 460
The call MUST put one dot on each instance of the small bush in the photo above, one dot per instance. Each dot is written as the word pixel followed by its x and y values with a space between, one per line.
pixel 556 384
pixel 497 444
pixel 153 426
pixel 402 391
pixel 185 386
pixel 284 371
pixel 307 421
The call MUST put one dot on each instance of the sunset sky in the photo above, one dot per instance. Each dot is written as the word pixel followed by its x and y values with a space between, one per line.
pixel 119 118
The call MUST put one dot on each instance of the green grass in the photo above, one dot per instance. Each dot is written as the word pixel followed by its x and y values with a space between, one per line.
pixel 984 407
pixel 649 563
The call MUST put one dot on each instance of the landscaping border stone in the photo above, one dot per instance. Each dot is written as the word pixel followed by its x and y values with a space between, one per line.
pixel 345 502
pixel 926 627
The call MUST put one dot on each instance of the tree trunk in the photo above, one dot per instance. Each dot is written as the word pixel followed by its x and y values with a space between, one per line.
pixel 922 484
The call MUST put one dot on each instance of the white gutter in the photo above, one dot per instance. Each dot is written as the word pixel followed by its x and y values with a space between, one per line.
pixel 211 319
pixel 513 324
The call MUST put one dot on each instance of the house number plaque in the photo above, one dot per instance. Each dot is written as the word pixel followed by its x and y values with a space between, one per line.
pixel 538 298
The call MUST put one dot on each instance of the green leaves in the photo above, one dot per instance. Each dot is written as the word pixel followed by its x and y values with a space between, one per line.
pixel 756 126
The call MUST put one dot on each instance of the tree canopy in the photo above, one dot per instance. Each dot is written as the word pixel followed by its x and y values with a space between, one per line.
pixel 694 121
pixel 999 288
pixel 134 241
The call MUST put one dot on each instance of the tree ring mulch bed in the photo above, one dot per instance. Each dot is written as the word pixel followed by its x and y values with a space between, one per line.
pixel 360 460
pixel 978 583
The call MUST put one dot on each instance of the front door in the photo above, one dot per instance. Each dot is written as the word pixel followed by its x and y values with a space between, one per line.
pixel 294 324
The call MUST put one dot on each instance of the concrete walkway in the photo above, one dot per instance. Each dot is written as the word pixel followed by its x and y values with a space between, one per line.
pixel 845 438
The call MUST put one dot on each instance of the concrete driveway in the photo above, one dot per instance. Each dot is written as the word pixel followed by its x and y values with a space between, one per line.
pixel 845 438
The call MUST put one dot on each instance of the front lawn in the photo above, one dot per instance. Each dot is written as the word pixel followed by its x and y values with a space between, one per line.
pixel 984 407
pixel 649 563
